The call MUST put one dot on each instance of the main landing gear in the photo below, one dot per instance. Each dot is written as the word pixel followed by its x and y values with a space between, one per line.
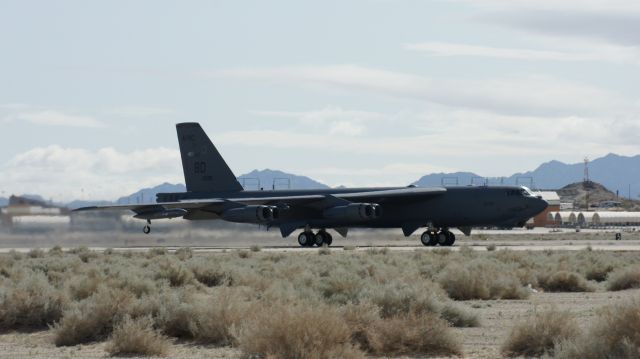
pixel 310 239
pixel 147 227
pixel 443 237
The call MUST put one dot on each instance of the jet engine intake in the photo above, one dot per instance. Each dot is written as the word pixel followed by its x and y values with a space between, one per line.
pixel 251 214
pixel 354 212
pixel 161 214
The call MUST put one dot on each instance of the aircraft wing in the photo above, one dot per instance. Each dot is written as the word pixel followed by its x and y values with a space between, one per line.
pixel 302 200
pixel 317 201
pixel 391 195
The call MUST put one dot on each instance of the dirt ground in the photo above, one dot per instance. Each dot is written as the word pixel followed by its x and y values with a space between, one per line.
pixel 497 318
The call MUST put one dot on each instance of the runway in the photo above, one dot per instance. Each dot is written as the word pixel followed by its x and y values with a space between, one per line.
pixel 611 246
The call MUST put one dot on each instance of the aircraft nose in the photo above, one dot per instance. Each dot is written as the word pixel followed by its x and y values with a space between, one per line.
pixel 540 205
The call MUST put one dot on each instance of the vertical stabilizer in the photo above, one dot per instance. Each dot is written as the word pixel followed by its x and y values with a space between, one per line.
pixel 204 169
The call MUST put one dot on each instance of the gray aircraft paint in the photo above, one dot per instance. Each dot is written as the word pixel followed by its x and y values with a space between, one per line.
pixel 212 190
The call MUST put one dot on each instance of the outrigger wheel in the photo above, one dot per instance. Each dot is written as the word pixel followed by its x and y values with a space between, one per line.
pixel 147 227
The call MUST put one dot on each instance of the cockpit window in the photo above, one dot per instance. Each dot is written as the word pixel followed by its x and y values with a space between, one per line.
pixel 521 192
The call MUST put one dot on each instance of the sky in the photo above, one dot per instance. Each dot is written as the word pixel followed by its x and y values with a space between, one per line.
pixel 350 92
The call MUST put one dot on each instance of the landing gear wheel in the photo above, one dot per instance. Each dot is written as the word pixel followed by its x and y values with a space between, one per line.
pixel 146 229
pixel 328 239
pixel 319 238
pixel 442 238
pixel 429 239
pixel 451 238
pixel 305 239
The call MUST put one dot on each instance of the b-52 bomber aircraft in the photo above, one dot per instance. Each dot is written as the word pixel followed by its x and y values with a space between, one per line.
pixel 213 192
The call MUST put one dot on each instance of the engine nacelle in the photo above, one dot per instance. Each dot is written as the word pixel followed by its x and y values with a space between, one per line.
pixel 251 214
pixel 354 212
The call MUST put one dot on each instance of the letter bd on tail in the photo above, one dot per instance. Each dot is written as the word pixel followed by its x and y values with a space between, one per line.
pixel 214 193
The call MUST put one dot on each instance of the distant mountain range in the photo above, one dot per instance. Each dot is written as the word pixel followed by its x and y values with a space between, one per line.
pixel 615 172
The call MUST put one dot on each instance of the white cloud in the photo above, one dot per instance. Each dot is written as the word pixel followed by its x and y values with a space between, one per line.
pixel 332 120
pixel 621 6
pixel 72 173
pixel 55 118
pixel 589 52
pixel 141 111
pixel 346 128
pixel 446 133
pixel 524 95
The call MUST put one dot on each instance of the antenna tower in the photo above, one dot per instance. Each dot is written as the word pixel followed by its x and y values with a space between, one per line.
pixel 585 183
pixel 586 169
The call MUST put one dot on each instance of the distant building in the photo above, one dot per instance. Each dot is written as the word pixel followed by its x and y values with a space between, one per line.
pixel 542 219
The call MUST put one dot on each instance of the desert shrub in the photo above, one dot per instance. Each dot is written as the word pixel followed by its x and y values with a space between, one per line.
pixel 93 318
pixel 378 251
pixel 423 335
pixel 15 255
pixel 137 283
pixel 538 335
pixel 36 253
pixel 184 253
pixel 324 250
pixel 157 251
pixel 341 287
pixel 216 316
pixel 56 250
pixel 360 318
pixel 400 299
pixel 614 334
pixel 176 313
pixel 255 248
pixel 598 271
pixel 174 271
pixel 137 337
pixel 30 303
pixel 624 279
pixel 481 279
pixel 459 317
pixel 285 331
pixel 491 247
pixel 564 281
pixel 210 274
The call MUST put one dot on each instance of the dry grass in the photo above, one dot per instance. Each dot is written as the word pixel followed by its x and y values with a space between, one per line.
pixel 421 335
pixel 297 332
pixel 137 337
pixel 387 303
pixel 614 334
pixel 30 303
pixel 93 318
pixel 538 336
pixel 564 281
pixel 624 279
pixel 481 279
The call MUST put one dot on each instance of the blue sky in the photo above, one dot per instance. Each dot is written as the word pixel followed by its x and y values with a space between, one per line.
pixel 347 92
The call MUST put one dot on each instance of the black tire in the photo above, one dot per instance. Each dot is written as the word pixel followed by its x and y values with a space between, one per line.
pixel 328 239
pixel 146 229
pixel 319 239
pixel 441 238
pixel 304 239
pixel 425 239
pixel 429 239
pixel 451 238
pixel 433 239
